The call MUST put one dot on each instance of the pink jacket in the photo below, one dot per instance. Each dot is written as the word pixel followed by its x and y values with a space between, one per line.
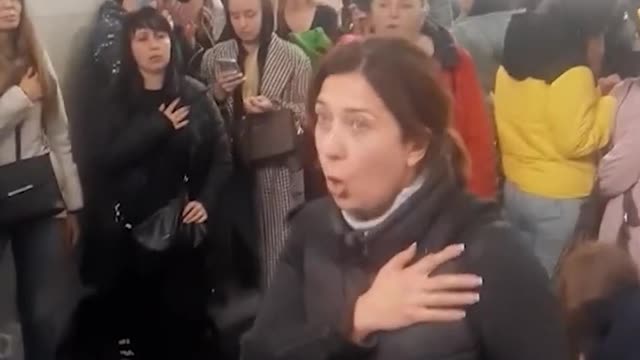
pixel 619 169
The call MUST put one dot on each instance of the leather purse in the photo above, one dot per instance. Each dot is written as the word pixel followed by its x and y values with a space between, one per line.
pixel 269 135
pixel 28 188
pixel 164 229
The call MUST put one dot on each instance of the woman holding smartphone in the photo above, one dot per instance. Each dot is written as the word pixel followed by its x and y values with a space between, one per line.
pixel 273 74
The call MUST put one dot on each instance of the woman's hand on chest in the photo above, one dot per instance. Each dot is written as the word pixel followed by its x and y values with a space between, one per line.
pixel 176 113
pixel 32 86
pixel 404 294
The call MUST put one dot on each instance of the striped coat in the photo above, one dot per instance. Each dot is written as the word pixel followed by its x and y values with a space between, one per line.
pixel 278 188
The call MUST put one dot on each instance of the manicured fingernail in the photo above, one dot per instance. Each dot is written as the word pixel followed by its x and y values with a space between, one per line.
pixel 460 247
pixel 479 280
pixel 476 298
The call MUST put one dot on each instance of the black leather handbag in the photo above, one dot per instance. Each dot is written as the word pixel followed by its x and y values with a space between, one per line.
pixel 28 188
pixel 164 229
pixel 269 135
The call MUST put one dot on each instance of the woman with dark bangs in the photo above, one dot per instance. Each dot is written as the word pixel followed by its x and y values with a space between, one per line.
pixel 162 137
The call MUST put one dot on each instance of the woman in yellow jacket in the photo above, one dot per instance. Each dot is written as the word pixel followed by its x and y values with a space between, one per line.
pixel 552 118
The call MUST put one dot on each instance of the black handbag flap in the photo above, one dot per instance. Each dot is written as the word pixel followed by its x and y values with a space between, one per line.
pixel 157 232
pixel 25 175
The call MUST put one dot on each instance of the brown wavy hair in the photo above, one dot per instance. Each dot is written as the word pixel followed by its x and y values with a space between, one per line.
pixel 406 80
pixel 20 51
pixel 593 272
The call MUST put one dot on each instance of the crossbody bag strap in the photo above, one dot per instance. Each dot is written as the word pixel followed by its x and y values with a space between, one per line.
pixel 18 134
pixel 630 209
pixel 629 219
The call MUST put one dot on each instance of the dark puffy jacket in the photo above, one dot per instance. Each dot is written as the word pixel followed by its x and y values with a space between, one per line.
pixel 307 312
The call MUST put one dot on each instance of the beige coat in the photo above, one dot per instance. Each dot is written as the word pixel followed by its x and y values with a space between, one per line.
pixel 40 135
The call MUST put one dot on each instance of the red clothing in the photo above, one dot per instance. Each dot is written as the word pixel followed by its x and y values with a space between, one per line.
pixel 471 120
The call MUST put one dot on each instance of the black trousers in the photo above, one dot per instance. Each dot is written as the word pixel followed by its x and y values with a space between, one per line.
pixel 157 309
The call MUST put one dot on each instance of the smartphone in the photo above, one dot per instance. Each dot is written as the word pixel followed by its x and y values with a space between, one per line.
pixel 227 66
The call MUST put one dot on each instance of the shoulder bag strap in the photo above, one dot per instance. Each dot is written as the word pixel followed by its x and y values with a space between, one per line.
pixel 630 209
pixel 18 134
pixel 630 219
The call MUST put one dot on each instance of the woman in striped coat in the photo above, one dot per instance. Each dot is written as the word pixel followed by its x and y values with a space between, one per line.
pixel 273 74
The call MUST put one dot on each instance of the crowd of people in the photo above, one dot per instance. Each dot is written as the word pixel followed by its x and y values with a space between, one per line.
pixel 282 180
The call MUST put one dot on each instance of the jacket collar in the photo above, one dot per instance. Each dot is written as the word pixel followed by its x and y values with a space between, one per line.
pixel 409 223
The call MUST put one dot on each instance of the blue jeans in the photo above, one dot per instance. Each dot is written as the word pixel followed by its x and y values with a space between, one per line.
pixel 45 283
pixel 546 224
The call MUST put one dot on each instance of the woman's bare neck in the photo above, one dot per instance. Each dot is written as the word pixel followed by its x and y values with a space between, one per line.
pixel 7 48
pixel 153 82
pixel 251 47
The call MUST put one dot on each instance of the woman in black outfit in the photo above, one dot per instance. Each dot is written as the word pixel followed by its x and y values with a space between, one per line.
pixel 350 284
pixel 160 129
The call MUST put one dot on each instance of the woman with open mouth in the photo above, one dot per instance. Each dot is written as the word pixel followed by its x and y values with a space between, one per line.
pixel 400 262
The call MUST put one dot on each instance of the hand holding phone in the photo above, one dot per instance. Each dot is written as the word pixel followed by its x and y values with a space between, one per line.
pixel 228 78
pixel 225 66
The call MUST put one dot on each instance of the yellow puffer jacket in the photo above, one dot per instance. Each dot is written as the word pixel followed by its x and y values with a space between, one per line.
pixel 550 134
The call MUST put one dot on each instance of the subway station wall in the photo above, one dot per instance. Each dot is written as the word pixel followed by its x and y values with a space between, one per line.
pixel 62 27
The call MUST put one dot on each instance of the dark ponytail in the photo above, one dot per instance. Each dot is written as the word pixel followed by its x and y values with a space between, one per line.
pixel 459 155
